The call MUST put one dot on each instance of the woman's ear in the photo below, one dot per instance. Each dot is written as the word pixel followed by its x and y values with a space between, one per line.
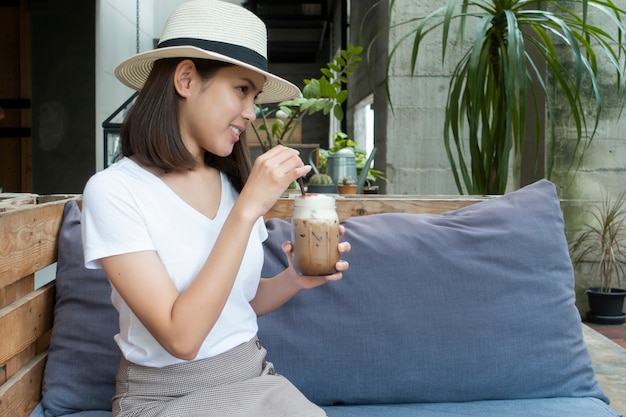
pixel 183 76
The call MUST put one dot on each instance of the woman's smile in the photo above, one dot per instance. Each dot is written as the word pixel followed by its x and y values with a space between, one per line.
pixel 236 132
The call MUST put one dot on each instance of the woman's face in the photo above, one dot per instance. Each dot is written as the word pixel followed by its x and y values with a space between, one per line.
pixel 218 110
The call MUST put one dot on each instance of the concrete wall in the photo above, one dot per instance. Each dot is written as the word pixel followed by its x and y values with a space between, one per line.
pixel 603 166
pixel 409 134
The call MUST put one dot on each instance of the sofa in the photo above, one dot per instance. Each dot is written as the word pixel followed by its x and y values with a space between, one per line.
pixel 466 313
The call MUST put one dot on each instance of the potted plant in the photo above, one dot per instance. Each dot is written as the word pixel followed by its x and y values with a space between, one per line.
pixel 321 184
pixel 500 70
pixel 325 94
pixel 347 185
pixel 603 243
pixel 369 187
pixel 362 161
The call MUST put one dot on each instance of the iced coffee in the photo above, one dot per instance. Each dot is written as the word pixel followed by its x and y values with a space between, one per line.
pixel 315 234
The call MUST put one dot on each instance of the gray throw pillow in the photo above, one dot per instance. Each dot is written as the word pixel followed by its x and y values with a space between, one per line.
pixel 472 304
pixel 83 357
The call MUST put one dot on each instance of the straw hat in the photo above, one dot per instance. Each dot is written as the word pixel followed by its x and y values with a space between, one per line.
pixel 211 29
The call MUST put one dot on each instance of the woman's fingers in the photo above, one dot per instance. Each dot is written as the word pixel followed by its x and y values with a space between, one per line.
pixel 283 165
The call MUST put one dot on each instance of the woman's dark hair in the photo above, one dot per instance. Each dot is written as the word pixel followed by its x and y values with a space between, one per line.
pixel 151 133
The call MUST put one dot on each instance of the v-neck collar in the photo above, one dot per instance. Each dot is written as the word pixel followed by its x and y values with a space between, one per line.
pixel 154 178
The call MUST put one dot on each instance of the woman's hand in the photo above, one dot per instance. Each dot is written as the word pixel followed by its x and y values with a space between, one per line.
pixel 271 174
pixel 307 281
pixel 274 292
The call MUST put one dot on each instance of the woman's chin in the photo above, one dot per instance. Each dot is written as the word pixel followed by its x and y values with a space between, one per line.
pixel 223 152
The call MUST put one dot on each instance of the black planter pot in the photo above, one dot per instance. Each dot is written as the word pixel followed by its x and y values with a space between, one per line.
pixel 372 189
pixel 606 307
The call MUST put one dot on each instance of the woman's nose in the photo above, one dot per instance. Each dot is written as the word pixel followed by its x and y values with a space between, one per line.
pixel 249 113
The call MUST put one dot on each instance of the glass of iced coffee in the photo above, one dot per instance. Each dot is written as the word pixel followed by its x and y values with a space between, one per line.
pixel 315 234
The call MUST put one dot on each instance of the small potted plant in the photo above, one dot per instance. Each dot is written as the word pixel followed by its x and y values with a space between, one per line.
pixel 347 185
pixel 321 184
pixel 372 175
pixel 603 244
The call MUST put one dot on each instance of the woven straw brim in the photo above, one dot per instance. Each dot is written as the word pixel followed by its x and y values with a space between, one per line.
pixel 134 71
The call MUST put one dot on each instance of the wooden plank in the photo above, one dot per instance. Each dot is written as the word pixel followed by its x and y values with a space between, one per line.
pixel 11 201
pixel 362 205
pixel 25 321
pixel 21 393
pixel 50 198
pixel 43 343
pixel 17 290
pixel 28 240
pixel 14 364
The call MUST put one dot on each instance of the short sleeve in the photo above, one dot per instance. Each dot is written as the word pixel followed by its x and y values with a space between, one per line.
pixel 112 221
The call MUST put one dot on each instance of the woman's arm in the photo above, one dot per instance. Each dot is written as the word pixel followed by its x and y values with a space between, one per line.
pixel 180 322
pixel 274 292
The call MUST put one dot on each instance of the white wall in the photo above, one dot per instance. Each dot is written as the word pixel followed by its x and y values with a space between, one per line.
pixel 115 41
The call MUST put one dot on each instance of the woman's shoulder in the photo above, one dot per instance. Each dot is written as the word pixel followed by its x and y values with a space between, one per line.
pixel 122 178
pixel 122 172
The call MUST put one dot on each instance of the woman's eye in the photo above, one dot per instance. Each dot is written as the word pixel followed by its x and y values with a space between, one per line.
pixel 244 89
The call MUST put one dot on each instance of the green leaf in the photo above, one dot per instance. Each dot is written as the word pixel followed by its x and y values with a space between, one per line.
pixel 342 96
pixel 338 112
pixel 327 72
pixel 326 89
pixel 312 89
pixel 354 49
pixel 334 67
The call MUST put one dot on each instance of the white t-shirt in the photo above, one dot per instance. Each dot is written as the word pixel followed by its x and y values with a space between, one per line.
pixel 128 209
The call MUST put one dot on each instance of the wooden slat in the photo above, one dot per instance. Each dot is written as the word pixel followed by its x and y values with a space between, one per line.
pixel 51 198
pixel 28 240
pixel 11 201
pixel 361 205
pixel 21 393
pixel 25 321
pixel 43 343
pixel 17 290
pixel 15 363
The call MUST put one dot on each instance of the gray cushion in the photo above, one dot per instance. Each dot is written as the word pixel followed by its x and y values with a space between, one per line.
pixel 83 357
pixel 473 304
pixel 536 407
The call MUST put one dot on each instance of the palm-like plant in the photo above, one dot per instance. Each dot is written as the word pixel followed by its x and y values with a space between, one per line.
pixel 604 242
pixel 487 99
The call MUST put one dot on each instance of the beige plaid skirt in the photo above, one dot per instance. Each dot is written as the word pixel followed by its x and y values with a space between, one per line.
pixel 237 383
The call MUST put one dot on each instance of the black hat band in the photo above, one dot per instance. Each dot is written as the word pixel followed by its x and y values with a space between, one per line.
pixel 240 53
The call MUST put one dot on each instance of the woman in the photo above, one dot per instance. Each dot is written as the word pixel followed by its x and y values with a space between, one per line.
pixel 177 224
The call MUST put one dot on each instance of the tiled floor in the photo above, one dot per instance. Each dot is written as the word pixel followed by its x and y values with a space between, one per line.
pixel 615 332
